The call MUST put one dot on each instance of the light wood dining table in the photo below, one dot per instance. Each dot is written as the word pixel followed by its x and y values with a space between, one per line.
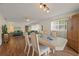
pixel 47 43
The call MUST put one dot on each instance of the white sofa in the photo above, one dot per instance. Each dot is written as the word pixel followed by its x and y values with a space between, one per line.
pixel 59 43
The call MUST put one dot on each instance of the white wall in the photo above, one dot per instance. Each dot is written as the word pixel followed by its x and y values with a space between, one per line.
pixel 18 24
pixel 2 21
pixel 47 26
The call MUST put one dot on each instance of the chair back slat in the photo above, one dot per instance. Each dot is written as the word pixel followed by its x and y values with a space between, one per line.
pixel 27 46
pixel 34 41
pixel 27 38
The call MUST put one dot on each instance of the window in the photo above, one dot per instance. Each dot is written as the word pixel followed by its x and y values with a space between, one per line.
pixel 54 25
pixel 59 25
pixel 36 27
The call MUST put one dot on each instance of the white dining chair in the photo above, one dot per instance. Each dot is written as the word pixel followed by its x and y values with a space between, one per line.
pixel 39 49
pixel 28 44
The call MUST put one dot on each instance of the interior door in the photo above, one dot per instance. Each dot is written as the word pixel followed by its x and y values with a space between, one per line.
pixel 69 33
pixel 75 32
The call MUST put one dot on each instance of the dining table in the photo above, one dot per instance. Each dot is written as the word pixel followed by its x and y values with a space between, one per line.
pixel 46 43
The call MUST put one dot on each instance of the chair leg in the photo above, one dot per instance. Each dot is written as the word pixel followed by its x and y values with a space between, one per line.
pixel 28 51
pixel 46 53
pixel 33 52
pixel 25 49
pixel 53 51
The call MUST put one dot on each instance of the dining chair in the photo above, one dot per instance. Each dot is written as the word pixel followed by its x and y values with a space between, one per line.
pixel 38 48
pixel 28 44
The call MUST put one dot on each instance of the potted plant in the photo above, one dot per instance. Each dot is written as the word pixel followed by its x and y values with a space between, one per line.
pixel 4 29
pixel 4 33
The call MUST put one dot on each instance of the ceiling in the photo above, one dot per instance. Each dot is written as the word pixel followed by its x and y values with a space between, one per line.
pixel 17 12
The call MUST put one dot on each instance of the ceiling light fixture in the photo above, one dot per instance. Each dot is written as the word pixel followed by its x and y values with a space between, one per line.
pixel 41 5
pixel 27 20
pixel 44 7
pixel 48 11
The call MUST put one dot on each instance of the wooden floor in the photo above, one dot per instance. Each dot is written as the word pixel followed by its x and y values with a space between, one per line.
pixel 14 47
pixel 17 49
pixel 66 52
